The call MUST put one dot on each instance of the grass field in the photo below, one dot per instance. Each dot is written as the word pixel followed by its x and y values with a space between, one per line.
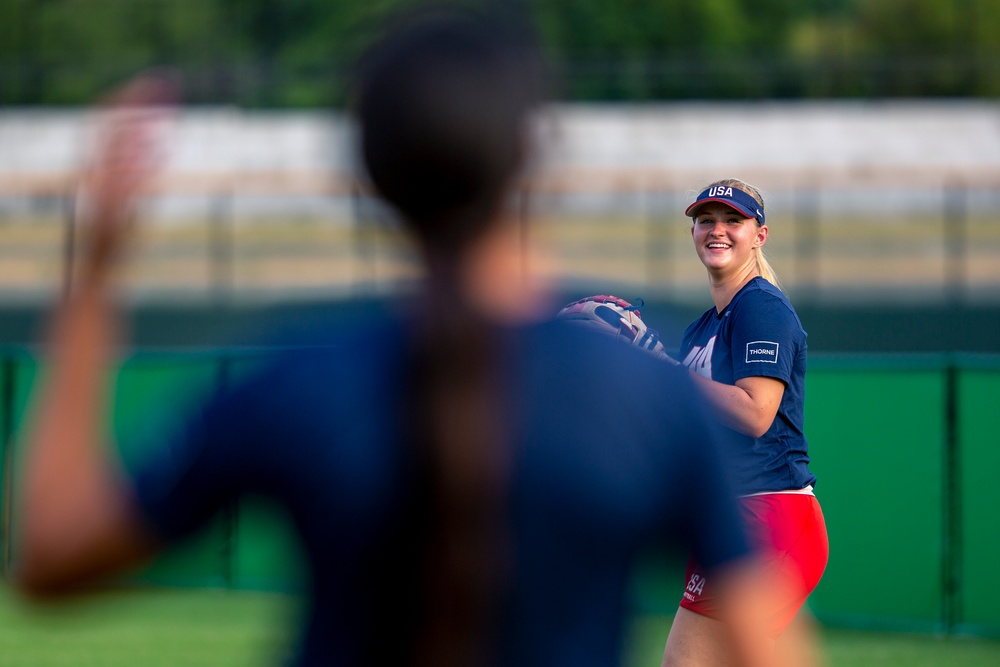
pixel 208 628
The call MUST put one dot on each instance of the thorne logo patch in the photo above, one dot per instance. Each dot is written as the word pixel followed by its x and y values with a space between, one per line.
pixel 762 351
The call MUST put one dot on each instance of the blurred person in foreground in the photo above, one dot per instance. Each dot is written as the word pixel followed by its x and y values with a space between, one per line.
pixel 469 481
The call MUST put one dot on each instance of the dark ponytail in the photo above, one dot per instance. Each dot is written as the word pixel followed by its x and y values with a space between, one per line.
pixel 444 107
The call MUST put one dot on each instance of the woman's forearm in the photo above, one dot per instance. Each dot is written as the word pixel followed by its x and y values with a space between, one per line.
pixel 748 407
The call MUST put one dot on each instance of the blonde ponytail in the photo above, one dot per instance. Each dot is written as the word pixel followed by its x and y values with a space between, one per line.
pixel 765 270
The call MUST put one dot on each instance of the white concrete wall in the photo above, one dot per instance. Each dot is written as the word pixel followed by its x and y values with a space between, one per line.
pixel 778 146
pixel 809 135
pixel 202 140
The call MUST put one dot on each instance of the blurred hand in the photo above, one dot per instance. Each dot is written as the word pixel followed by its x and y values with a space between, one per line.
pixel 127 154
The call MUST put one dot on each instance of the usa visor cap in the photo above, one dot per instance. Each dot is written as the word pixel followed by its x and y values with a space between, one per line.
pixel 730 196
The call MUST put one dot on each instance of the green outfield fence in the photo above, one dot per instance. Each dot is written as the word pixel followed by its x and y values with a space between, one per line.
pixel 904 447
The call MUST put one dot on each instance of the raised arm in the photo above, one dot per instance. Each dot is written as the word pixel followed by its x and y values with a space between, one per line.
pixel 74 515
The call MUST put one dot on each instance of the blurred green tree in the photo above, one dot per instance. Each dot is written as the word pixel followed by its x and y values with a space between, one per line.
pixel 297 53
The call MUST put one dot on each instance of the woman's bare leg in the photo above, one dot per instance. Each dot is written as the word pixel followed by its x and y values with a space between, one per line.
pixel 697 641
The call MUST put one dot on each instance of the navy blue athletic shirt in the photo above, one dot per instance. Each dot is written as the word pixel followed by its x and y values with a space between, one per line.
pixel 612 454
pixel 758 334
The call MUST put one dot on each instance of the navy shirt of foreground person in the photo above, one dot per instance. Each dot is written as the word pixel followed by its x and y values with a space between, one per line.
pixel 610 454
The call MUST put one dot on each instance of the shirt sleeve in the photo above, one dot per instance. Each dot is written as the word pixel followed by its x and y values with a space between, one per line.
pixel 216 454
pixel 765 338
pixel 704 485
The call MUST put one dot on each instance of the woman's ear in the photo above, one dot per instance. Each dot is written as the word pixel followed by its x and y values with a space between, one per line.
pixel 761 236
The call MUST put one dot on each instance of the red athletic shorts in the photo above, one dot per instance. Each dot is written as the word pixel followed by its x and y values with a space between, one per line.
pixel 789 533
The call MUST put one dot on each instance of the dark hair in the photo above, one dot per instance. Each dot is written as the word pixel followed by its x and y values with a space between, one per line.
pixel 443 106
